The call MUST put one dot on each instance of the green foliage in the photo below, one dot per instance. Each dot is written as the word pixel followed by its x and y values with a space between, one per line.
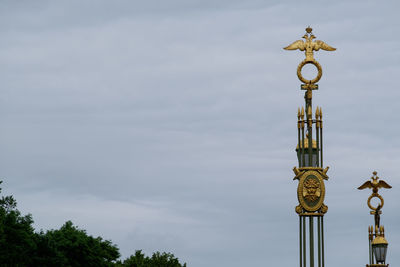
pixel 17 237
pixel 158 259
pixel 68 246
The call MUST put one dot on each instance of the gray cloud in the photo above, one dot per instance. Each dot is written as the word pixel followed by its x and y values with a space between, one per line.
pixel 172 125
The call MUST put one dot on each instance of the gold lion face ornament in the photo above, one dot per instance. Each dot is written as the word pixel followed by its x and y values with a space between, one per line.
pixel 311 190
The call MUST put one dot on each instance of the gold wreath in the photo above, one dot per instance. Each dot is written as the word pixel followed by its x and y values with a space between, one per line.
pixel 316 64
pixel 371 197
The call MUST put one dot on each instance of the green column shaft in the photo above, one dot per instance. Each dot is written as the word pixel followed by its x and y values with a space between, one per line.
pixel 318 145
pixel 311 223
pixel 304 242
pixel 319 241
pixel 299 146
pixel 322 241
pixel 309 146
pixel 303 157
pixel 322 162
pixel 309 128
pixel 300 240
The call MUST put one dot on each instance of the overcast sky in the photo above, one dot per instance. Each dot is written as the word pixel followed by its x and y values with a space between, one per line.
pixel 171 125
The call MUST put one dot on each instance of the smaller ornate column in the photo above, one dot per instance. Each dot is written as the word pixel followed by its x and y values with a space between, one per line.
pixel 377 243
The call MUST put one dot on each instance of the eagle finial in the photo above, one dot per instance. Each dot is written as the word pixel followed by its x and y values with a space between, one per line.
pixel 375 184
pixel 309 45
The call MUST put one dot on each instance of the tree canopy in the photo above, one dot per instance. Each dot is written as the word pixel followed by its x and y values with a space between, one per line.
pixel 158 259
pixel 70 246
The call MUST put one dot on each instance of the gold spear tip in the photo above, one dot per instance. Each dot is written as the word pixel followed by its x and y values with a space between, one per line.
pixel 309 29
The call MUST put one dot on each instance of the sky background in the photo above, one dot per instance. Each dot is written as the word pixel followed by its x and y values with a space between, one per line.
pixel 171 125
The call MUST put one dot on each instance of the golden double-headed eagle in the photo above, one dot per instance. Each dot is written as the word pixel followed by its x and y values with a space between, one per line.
pixel 309 45
pixel 375 184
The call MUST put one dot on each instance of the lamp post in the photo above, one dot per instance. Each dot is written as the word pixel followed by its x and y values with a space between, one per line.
pixel 379 247
pixel 310 171
pixel 376 235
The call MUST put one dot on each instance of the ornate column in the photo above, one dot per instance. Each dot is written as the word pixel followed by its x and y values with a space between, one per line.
pixel 377 243
pixel 310 171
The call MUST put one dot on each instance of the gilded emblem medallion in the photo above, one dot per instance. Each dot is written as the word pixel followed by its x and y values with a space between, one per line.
pixel 311 191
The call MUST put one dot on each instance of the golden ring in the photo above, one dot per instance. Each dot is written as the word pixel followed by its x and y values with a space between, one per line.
pixel 316 64
pixel 371 197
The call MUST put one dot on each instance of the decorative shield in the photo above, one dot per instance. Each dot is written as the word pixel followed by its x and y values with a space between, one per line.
pixel 311 191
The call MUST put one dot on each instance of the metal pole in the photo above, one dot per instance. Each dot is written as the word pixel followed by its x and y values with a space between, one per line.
pixel 300 240
pixel 311 241
pixel 369 248
pixel 319 241
pixel 302 148
pixel 317 136
pixel 310 146
pixel 299 146
pixel 309 131
pixel 308 98
pixel 304 242
pixel 320 115
pixel 322 241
